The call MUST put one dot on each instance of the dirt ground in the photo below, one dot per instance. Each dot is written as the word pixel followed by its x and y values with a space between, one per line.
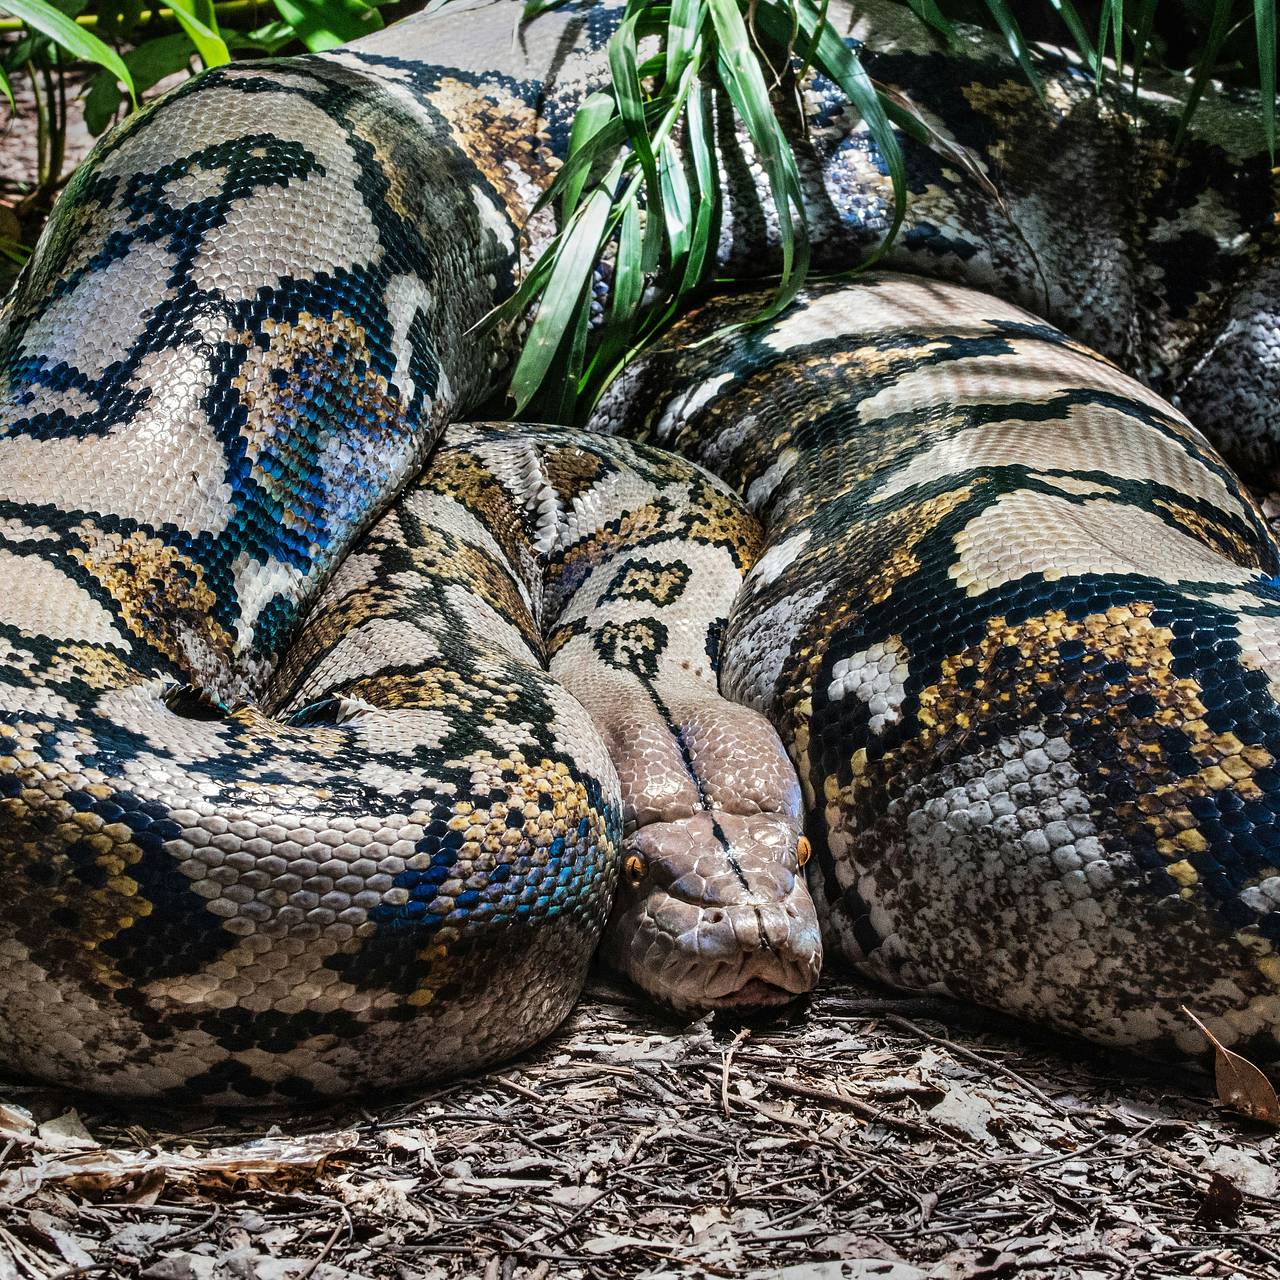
pixel 870 1135
pixel 18 169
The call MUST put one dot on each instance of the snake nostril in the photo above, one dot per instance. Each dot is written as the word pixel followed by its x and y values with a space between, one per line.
pixel 715 916
pixel 190 703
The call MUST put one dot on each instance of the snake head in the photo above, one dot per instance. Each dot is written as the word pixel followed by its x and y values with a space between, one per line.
pixel 713 913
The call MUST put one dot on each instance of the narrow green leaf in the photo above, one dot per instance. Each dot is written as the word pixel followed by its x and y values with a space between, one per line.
pixel 600 147
pixel 558 396
pixel 836 60
pixel 903 113
pixel 271 37
pixel 1072 20
pixel 208 43
pixel 325 24
pixel 102 101
pixel 625 294
pixel 677 204
pixel 628 279
pixel 575 258
pixel 41 16
pixel 151 61
pixel 1012 32
pixel 806 54
pixel 14 250
pixel 7 89
pixel 1110 20
pixel 1264 23
pixel 630 99
pixel 1141 36
pixel 684 29
pixel 1219 26
pixel 706 227
pixel 927 11
pixel 744 82
pixel 592 116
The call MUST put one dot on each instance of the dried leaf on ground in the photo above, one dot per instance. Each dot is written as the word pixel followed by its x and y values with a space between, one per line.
pixel 1241 1086
pixel 268 1162
pixel 1221 1203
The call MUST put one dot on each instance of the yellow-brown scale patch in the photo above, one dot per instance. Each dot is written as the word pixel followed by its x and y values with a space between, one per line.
pixel 572 472
pixel 718 517
pixel 1217 534
pixel 162 598
pixel 504 137
pixel 461 476
pixel 77 892
pixel 438 689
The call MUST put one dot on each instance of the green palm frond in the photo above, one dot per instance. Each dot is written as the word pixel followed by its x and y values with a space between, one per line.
pixel 630 197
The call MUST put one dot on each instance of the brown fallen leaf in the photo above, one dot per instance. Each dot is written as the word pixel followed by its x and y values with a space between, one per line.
pixel 1221 1203
pixel 1241 1086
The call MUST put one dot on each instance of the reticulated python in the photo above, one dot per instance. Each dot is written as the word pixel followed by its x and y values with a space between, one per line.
pixel 307 780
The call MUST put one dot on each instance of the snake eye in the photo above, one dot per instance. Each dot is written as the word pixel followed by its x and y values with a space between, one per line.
pixel 636 869
pixel 803 850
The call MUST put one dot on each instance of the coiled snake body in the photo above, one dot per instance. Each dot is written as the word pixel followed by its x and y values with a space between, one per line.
pixel 303 794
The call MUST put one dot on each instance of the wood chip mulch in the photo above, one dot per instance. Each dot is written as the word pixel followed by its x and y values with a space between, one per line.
pixel 869 1135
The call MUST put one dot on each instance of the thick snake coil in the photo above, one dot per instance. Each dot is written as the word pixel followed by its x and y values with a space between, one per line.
pixel 318 776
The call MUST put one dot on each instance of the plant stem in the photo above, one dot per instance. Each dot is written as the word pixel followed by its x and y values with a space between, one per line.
pixel 42 133
pixel 55 92
pixel 226 9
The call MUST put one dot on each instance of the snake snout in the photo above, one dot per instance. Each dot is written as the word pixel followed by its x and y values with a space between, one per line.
pixel 713 913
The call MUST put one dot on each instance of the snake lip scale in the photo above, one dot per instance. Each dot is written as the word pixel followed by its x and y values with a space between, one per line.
pixel 933 625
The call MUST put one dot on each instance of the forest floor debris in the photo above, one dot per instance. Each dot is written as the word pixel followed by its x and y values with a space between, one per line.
pixel 866 1135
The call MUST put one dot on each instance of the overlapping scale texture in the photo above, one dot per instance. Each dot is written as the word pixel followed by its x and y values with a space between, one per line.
pixel 233 876
pixel 1020 628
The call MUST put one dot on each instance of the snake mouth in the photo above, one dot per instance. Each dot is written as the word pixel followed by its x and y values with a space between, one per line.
pixel 755 995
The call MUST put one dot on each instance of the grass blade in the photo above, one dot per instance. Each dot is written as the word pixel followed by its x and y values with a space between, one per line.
pixel 706 226
pixel 593 116
pixel 67 34
pixel 1110 19
pixel 744 82
pixel 840 63
pixel 1071 20
pixel 1012 32
pixel 1141 37
pixel 325 24
pixel 568 278
pixel 1219 27
pixel 629 98
pixel 684 30
pixel 203 36
pixel 1264 24
pixel 903 113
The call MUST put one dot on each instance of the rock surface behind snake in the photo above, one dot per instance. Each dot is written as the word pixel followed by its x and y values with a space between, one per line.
pixel 203 414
